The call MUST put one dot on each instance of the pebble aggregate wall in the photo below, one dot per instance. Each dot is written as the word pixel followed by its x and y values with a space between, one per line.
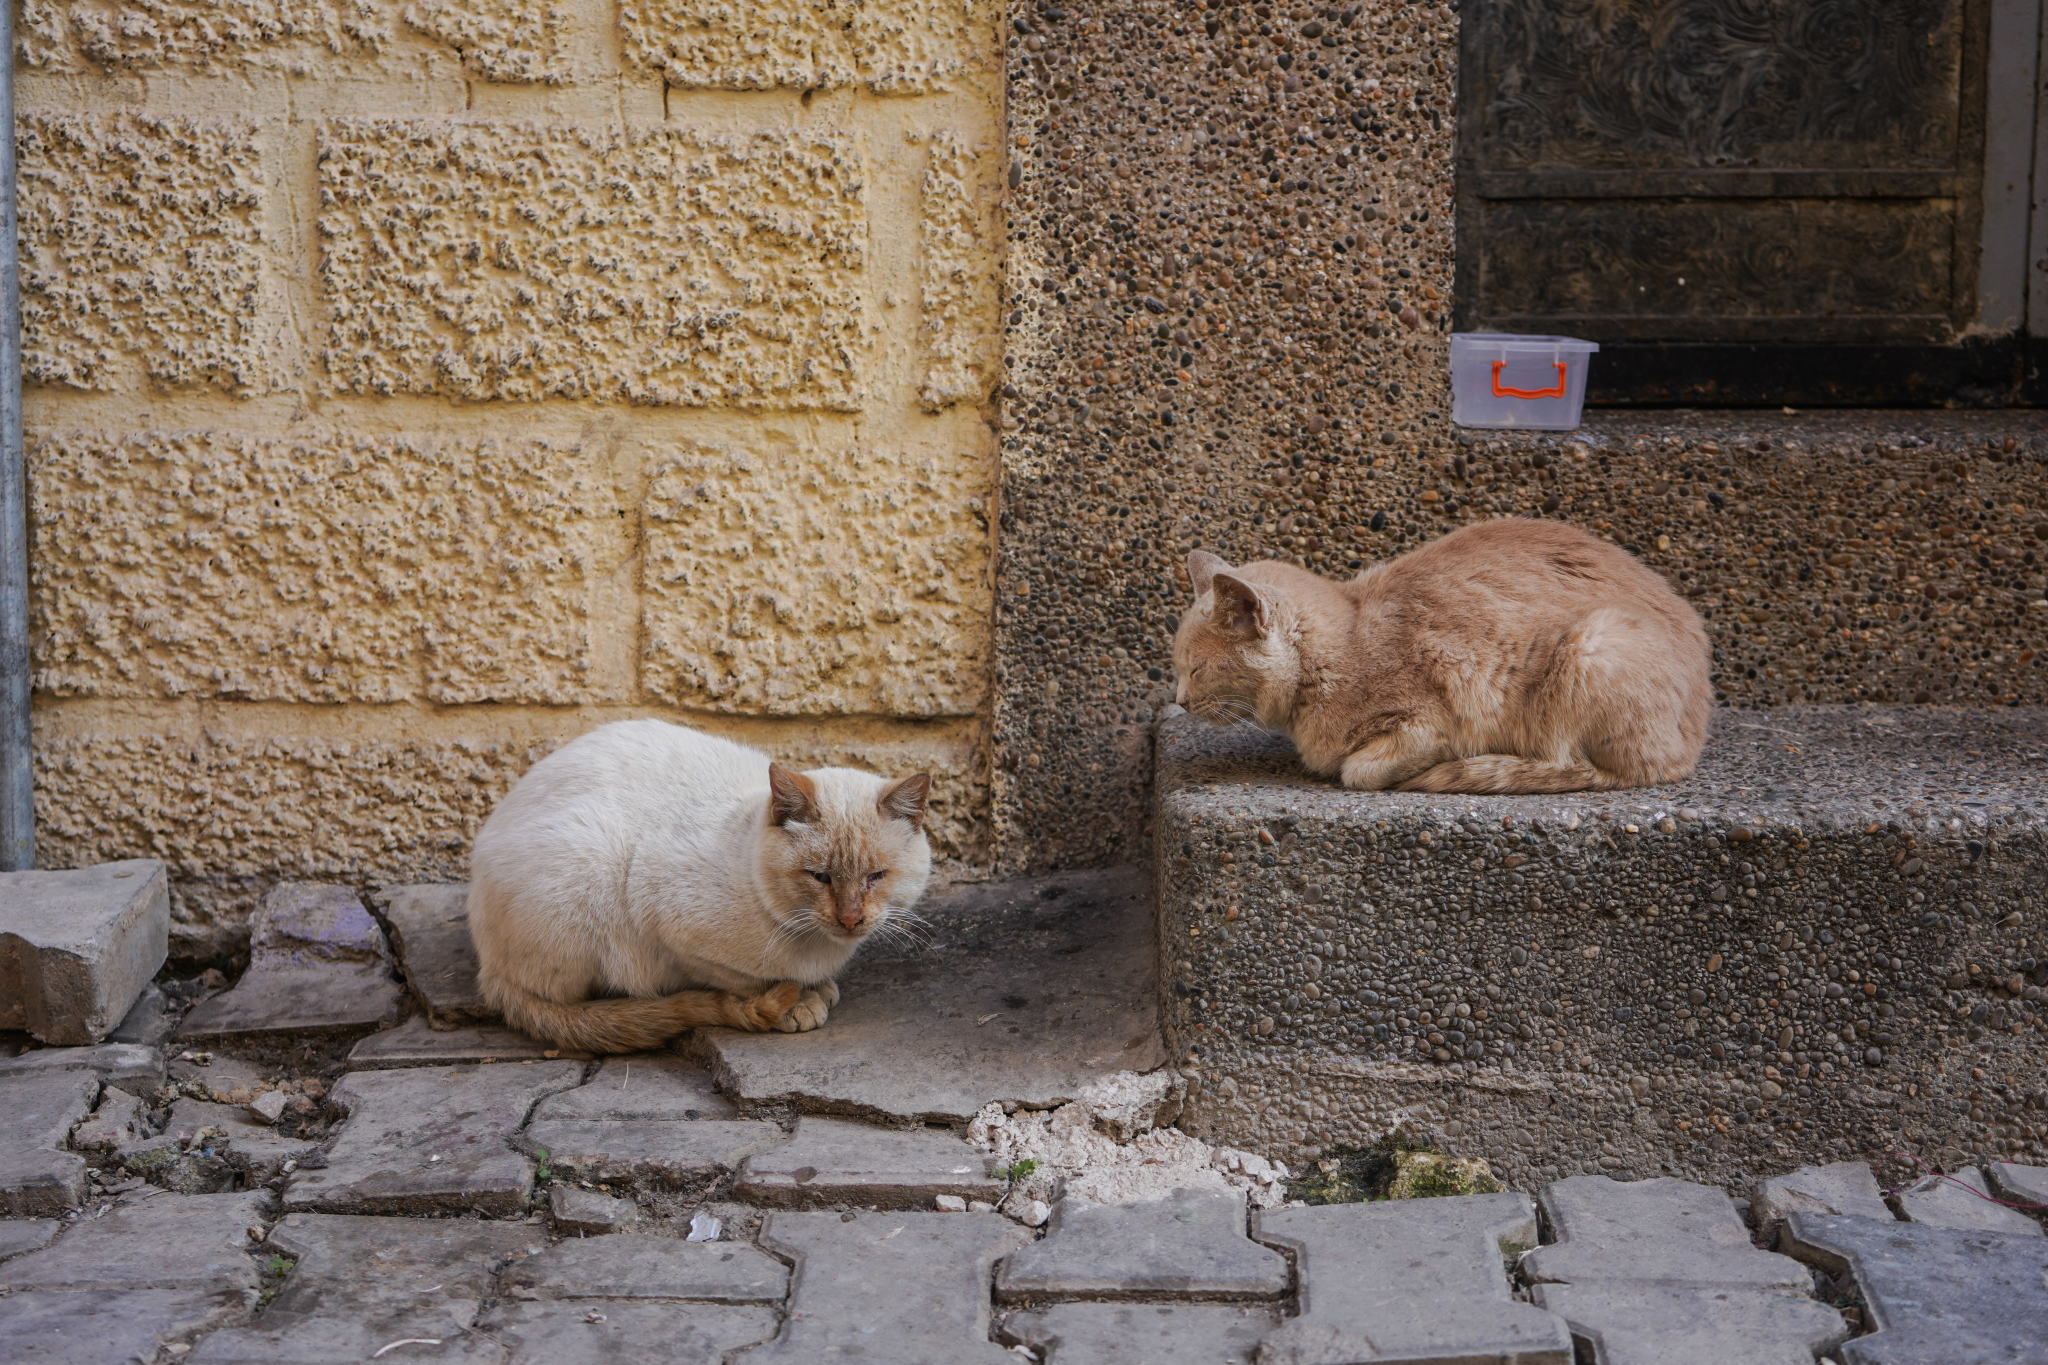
pixel 413 387
pixel 1228 284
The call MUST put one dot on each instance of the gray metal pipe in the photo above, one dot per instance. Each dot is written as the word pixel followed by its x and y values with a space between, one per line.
pixel 17 774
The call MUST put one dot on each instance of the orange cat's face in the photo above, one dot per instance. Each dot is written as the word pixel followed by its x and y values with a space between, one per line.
pixel 849 859
pixel 1229 662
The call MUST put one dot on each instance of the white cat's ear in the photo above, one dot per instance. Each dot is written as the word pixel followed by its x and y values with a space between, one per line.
pixel 1241 607
pixel 792 797
pixel 905 800
pixel 1203 567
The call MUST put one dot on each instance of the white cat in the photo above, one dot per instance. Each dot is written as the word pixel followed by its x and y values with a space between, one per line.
pixel 645 879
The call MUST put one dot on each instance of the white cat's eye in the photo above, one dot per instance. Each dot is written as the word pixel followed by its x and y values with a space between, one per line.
pixel 825 877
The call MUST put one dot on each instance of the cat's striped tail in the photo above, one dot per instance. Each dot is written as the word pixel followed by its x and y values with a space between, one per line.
pixel 635 1024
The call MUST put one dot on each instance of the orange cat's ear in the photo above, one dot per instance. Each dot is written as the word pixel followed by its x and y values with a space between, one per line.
pixel 905 800
pixel 792 797
pixel 1203 567
pixel 1241 608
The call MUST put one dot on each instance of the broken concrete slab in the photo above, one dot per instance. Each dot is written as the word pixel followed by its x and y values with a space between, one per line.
pixel 318 963
pixel 135 1069
pixel 361 1283
pixel 26 1234
pixel 198 1242
pixel 912 1288
pixel 1413 1280
pixel 430 933
pixel 1141 1334
pixel 420 1140
pixel 1663 1231
pixel 1963 1201
pixel 1846 1188
pixel 2021 1184
pixel 76 948
pixel 119 1121
pixel 252 1147
pixel 828 1161
pixel 1932 1294
pixel 150 1021
pixel 586 1213
pixel 1638 1324
pixel 1025 990
pixel 37 1113
pixel 667 1156
pixel 96 1327
pixel 566 1334
pixel 649 1268
pixel 649 1086
pixel 1192 1244
pixel 413 1043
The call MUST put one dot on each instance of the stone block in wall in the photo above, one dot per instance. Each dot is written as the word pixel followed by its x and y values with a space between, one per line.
pixel 960 325
pixel 141 248
pixel 652 265
pixel 889 46
pixel 499 40
pixel 854 584
pixel 321 568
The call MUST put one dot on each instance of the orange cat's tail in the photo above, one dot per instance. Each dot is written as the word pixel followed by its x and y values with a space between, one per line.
pixel 634 1024
pixel 1502 774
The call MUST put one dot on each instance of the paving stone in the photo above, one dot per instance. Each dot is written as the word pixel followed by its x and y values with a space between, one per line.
pixel 423 1139
pixel 1142 1334
pixel 669 1156
pixel 2021 1184
pixel 1963 1201
pixel 414 1043
pixel 37 1114
pixel 149 1022
pixel 832 1161
pixel 361 1283
pixel 105 1326
pixel 1846 1188
pixel 1191 1244
pixel 135 1069
pixel 627 1333
pixel 1957 1297
pixel 76 948
pixel 649 1268
pixel 1414 1280
pixel 1663 1231
pixel 1638 1324
pixel 219 1074
pixel 430 934
pixel 255 1148
pixel 646 1085
pixel 118 1121
pixel 318 963
pixel 576 1212
pixel 166 1241
pixel 26 1234
pixel 908 1288
pixel 1024 990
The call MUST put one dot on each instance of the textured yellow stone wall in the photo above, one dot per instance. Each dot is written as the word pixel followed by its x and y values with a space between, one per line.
pixel 416 384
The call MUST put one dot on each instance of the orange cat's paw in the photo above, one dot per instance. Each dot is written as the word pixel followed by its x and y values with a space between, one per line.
pixel 767 1009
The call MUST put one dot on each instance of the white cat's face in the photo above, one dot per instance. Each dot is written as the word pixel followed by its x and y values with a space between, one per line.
pixel 850 853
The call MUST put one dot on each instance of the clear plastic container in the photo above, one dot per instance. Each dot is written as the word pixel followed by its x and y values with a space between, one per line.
pixel 1532 383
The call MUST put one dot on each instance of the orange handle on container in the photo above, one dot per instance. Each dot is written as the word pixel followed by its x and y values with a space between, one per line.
pixel 1500 390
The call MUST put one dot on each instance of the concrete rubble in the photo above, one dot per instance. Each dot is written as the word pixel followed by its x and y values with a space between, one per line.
pixel 77 948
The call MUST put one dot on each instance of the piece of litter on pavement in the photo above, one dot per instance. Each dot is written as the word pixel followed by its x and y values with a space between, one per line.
pixel 405 1341
pixel 985 1018
pixel 704 1228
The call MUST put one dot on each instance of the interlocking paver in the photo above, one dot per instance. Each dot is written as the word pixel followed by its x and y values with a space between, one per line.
pixel 1846 1187
pixel 907 1288
pixel 669 1156
pixel 582 1212
pixel 650 1268
pixel 415 1043
pixel 37 1113
pixel 2021 1184
pixel 830 1161
pixel 430 932
pixel 1642 1324
pixel 1143 1334
pixel 163 1241
pixel 425 1139
pixel 77 947
pixel 317 963
pixel 628 1333
pixel 1963 1201
pixel 103 1326
pixel 26 1234
pixel 1411 1280
pixel 1191 1244
pixel 1662 1231
pixel 646 1086
pixel 1933 1294
pixel 132 1067
pixel 361 1283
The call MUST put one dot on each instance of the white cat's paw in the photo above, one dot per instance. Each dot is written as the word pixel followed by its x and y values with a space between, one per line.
pixel 830 990
pixel 807 1013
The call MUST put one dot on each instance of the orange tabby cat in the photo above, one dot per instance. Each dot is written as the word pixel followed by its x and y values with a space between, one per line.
pixel 1509 656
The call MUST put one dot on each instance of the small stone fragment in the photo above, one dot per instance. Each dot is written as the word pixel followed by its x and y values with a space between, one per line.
pixel 950 1203
pixel 589 1213
pixel 118 1122
pixel 269 1106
